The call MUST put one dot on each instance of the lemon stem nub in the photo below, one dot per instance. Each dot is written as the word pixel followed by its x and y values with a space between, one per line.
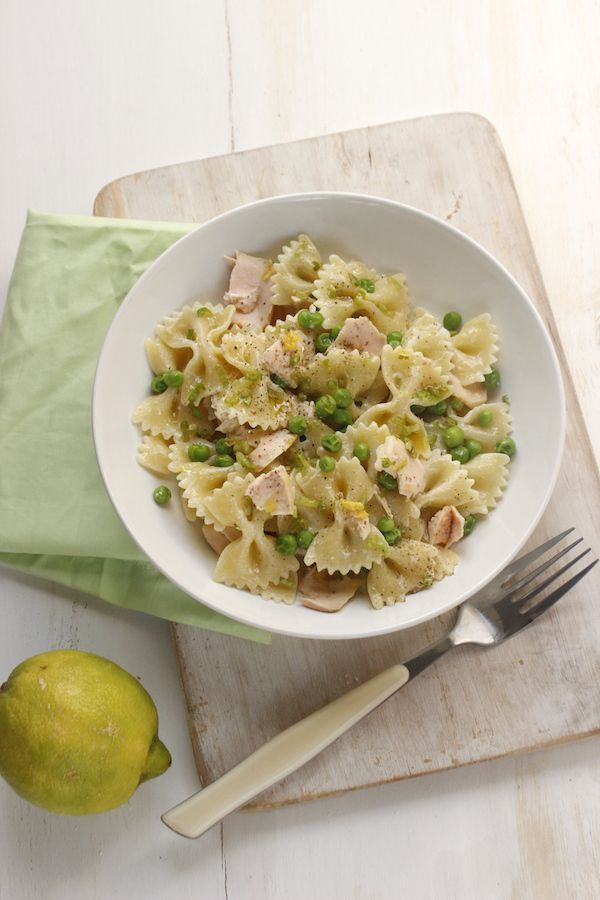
pixel 157 761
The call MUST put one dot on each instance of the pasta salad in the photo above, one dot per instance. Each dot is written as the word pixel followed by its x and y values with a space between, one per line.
pixel 324 435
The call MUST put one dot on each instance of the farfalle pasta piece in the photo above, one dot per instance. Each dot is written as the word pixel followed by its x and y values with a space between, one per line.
pixel 229 506
pixel 401 422
pixel 153 454
pixel 243 350
pixel 427 335
pixel 339 547
pixel 207 371
pixel 475 349
pixel 350 288
pixel 413 379
pixel 252 561
pixel 295 272
pixel 447 483
pixel 486 435
pixel 346 540
pixel 199 483
pixel 340 368
pixel 160 414
pixel 162 358
pixel 410 566
pixel 188 342
pixel 489 474
pixel 257 402
pixel 192 323
pixel 204 374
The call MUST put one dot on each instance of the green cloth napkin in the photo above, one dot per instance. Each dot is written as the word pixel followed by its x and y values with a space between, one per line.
pixel 56 521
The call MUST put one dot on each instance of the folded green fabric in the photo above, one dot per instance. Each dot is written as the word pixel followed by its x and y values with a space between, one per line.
pixel 56 521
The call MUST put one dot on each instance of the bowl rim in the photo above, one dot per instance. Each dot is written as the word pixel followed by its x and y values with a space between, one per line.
pixel 419 213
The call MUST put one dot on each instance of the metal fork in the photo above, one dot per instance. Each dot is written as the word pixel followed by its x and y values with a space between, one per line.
pixel 504 607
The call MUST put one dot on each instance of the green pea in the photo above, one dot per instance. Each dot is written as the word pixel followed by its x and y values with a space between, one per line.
pixel 453 321
pixel 297 424
pixel 392 537
pixel 223 447
pixel 506 445
pixel 394 338
pixel 305 538
pixel 335 331
pixel 223 461
pixel 361 451
pixel 418 410
pixel 461 454
pixel 469 525
pixel 327 464
pixel 158 385
pixel 343 398
pixel 308 319
pixel 492 379
pixel 286 544
pixel 278 380
pixel 485 418
pixel 161 495
pixel 385 524
pixel 199 452
pixel 438 409
pixel 342 418
pixel 331 442
pixel 325 406
pixel 387 481
pixel 454 436
pixel 323 342
pixel 173 378
pixel 474 448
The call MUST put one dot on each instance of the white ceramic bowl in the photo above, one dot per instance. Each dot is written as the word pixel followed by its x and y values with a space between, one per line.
pixel 445 270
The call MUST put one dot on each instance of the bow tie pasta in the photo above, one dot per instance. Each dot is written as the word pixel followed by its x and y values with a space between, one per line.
pixel 325 437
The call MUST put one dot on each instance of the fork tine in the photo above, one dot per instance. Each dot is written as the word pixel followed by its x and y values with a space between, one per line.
pixel 538 571
pixel 540 587
pixel 559 592
pixel 519 564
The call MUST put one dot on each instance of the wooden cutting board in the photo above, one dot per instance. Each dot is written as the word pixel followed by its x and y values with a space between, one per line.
pixel 539 689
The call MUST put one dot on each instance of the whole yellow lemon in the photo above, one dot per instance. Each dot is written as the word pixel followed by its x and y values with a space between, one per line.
pixel 78 733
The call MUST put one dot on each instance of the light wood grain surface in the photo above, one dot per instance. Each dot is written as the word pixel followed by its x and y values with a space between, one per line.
pixel 89 92
pixel 474 701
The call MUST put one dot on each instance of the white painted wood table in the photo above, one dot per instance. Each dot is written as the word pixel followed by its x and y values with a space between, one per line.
pixel 91 92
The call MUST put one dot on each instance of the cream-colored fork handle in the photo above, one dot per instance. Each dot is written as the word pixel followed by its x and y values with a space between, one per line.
pixel 281 755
